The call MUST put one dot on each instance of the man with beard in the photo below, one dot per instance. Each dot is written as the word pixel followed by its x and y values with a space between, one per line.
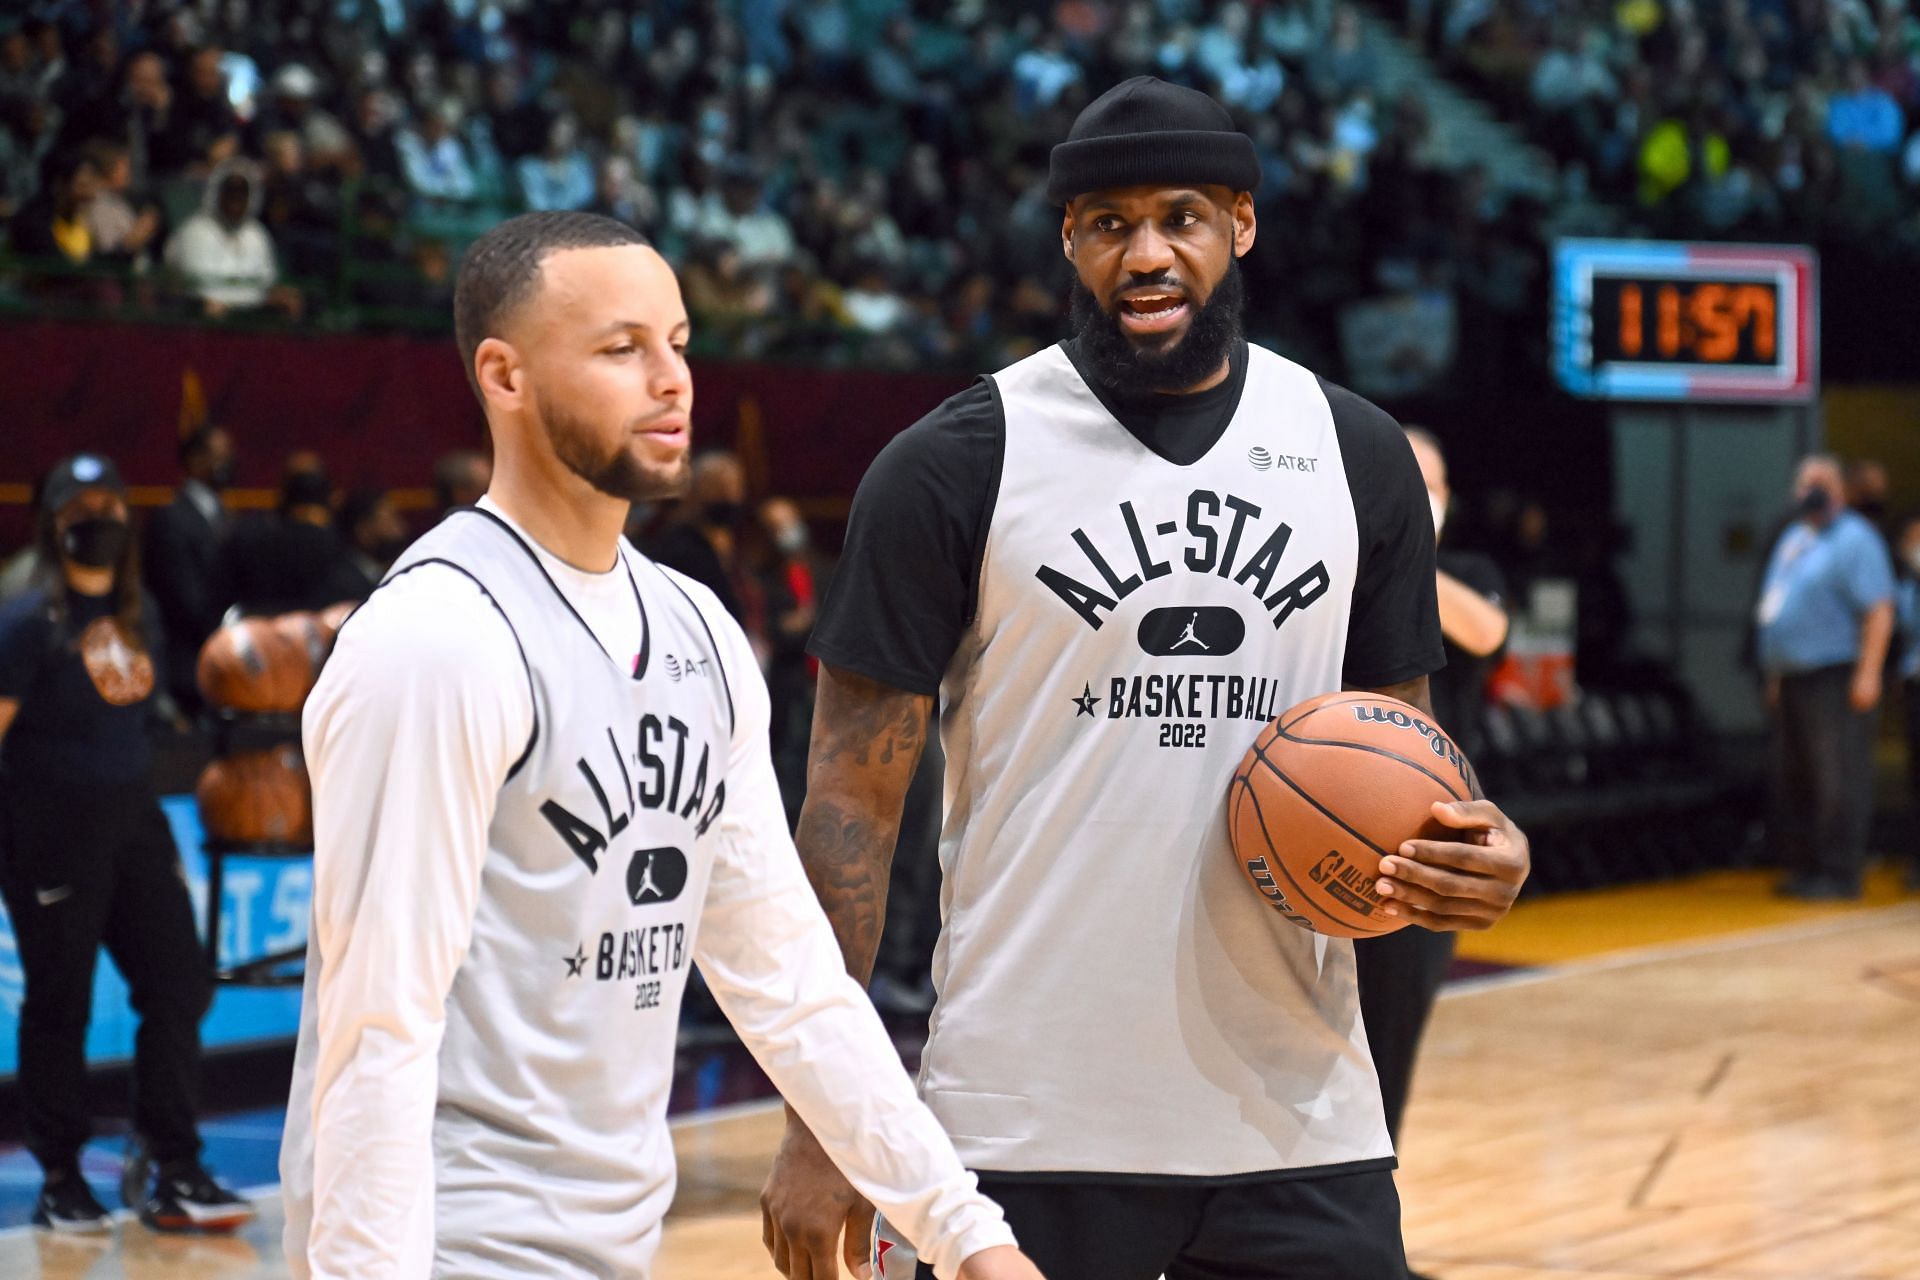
pixel 541 790
pixel 1112 563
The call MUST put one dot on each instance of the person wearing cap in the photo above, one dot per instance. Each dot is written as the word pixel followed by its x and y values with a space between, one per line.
pixel 87 860
pixel 1112 563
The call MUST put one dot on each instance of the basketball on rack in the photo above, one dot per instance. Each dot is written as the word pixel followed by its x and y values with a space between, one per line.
pixel 261 665
pixel 257 797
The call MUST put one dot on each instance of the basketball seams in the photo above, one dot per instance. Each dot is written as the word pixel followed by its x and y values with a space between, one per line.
pixel 1259 814
pixel 1324 701
pixel 1378 751
pixel 1280 864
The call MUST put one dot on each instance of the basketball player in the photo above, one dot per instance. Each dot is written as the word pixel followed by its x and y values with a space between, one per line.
pixel 541 791
pixel 1153 1072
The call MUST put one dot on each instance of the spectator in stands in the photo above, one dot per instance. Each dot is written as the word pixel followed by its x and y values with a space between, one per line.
pixel 299 207
pixel 290 560
pixel 433 157
pixel 1864 116
pixel 182 540
pixel 561 176
pixel 223 253
pixel 90 862
pixel 703 539
pixel 56 224
pixel 374 532
pixel 620 195
pixel 790 585
pixel 519 124
pixel 1400 974
pixel 1825 619
pixel 460 479
pixel 376 144
pixel 203 131
pixel 294 108
pixel 123 224
pixel 26 139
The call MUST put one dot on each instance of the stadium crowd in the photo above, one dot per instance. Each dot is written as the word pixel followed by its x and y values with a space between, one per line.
pixel 846 180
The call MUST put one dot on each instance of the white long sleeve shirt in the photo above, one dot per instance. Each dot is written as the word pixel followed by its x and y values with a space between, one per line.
pixel 509 880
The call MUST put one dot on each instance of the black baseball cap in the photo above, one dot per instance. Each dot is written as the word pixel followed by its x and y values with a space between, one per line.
pixel 78 474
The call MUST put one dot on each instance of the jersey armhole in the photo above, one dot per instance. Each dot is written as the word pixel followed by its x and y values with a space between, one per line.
pixel 976 573
pixel 533 701
pixel 726 685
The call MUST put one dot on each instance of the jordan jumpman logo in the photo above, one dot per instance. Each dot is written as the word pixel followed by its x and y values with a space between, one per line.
pixel 1188 636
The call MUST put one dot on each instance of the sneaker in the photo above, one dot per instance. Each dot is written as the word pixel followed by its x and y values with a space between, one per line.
pixel 67 1205
pixel 186 1198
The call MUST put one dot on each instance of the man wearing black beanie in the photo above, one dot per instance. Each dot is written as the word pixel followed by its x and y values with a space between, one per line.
pixel 1113 563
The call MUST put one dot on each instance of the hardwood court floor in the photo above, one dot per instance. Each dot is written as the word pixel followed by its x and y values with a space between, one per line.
pixel 1737 1109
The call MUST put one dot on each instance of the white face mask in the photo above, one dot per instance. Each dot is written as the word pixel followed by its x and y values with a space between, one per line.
pixel 1439 506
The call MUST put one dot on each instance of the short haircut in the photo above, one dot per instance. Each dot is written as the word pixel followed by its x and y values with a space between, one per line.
pixel 502 269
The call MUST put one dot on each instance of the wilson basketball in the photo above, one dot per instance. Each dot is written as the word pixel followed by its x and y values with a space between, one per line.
pixel 1326 791
pixel 257 796
pixel 259 665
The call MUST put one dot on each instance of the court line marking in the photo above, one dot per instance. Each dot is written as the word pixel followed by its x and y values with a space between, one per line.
pixel 1658 952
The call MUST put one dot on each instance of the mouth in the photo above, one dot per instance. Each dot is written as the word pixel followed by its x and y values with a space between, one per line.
pixel 1152 310
pixel 672 429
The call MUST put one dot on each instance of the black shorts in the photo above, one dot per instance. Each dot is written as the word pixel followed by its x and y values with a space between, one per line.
pixel 1341 1226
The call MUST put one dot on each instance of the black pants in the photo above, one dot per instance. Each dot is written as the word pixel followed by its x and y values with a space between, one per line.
pixel 1342 1227
pixel 1822 802
pixel 82 867
pixel 1400 974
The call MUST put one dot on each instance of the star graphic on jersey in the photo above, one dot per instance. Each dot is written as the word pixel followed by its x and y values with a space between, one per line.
pixel 1086 702
pixel 882 1248
pixel 577 962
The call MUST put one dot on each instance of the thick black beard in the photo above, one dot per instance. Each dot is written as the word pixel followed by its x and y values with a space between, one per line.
pixel 1123 366
pixel 619 474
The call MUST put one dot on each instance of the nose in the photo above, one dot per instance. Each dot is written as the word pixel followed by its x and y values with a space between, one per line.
pixel 1147 252
pixel 668 379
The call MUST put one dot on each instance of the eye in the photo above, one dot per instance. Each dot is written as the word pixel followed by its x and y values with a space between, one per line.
pixel 624 349
pixel 1106 224
pixel 1184 218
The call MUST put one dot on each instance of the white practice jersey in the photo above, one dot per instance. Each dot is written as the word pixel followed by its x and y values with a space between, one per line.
pixel 527 830
pixel 1113 996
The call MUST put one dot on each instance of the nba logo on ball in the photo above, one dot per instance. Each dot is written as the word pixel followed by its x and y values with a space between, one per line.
pixel 1327 790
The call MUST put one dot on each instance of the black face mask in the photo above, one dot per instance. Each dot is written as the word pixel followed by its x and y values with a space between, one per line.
pixel 95 544
pixel 220 475
pixel 1871 508
pixel 1815 502
pixel 724 514
pixel 1127 369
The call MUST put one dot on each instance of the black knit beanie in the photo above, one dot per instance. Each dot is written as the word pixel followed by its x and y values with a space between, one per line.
pixel 1144 131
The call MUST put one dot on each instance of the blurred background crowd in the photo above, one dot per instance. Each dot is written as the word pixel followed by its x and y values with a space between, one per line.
pixel 860 181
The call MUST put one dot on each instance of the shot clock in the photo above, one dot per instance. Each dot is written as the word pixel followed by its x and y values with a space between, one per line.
pixel 1644 320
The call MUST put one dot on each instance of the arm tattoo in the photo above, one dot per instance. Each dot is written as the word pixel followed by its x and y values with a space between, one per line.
pixel 867 741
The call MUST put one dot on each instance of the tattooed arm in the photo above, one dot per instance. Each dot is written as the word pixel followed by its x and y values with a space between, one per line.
pixel 1468 882
pixel 867 740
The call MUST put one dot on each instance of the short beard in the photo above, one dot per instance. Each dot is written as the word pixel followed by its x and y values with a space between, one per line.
pixel 618 474
pixel 1125 367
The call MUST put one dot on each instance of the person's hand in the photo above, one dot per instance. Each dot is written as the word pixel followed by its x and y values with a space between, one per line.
pixel 1865 693
pixel 806 1207
pixel 1003 1262
pixel 1455 885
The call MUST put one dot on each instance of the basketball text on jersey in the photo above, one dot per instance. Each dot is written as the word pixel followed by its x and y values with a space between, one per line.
pixel 1221 537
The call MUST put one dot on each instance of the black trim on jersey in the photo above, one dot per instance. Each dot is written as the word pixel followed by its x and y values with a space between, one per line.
pixel 532 738
pixel 1195 1179
pixel 726 685
pixel 646 627
pixel 976 580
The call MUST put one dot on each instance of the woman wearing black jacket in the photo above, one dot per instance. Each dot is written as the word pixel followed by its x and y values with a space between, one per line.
pixel 86 860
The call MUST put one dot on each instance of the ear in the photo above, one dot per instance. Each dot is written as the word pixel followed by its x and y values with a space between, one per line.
pixel 1244 223
pixel 1066 233
pixel 502 379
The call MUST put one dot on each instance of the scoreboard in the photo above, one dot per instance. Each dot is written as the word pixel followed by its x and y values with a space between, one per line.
pixel 1647 320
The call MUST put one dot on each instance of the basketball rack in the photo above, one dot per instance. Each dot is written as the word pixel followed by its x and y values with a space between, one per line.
pixel 245 731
